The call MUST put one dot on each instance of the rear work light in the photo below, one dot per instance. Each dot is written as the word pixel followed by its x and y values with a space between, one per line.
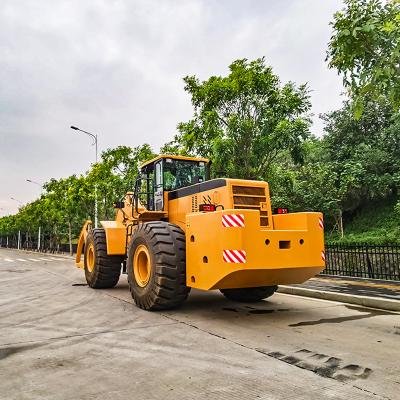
pixel 281 210
pixel 207 207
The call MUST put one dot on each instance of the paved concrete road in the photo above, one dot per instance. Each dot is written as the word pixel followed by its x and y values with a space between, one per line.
pixel 60 339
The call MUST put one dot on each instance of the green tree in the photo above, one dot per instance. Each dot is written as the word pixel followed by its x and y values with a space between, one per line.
pixel 365 151
pixel 66 206
pixel 115 174
pixel 67 202
pixel 245 120
pixel 365 49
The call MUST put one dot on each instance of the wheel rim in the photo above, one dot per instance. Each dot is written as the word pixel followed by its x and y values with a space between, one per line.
pixel 141 265
pixel 90 259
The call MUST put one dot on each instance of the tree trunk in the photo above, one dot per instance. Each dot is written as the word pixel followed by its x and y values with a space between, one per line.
pixel 70 238
pixel 341 224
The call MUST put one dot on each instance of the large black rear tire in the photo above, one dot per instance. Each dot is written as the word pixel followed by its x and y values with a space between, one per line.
pixel 156 266
pixel 101 270
pixel 249 295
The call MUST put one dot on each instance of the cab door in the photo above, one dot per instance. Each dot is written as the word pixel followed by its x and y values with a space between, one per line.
pixel 158 186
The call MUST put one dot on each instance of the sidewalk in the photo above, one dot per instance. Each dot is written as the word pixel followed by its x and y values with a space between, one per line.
pixel 365 292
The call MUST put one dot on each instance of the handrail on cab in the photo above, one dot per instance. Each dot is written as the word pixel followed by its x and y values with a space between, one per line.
pixel 81 243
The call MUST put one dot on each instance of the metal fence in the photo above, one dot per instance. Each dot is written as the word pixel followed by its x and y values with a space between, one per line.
pixel 363 261
pixel 46 245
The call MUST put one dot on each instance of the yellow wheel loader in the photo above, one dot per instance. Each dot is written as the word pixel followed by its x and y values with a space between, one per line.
pixel 179 230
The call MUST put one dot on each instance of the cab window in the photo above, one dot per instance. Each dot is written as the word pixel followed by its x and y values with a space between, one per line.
pixel 182 173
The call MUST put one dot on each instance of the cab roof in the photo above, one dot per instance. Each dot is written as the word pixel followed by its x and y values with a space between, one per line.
pixel 184 158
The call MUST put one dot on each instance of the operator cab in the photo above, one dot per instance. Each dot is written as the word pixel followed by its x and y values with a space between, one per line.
pixel 166 173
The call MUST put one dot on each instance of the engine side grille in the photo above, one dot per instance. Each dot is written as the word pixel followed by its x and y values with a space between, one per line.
pixel 248 197
pixel 248 190
pixel 195 207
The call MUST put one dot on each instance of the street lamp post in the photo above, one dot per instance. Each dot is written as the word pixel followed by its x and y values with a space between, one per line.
pixel 34 182
pixel 40 228
pixel 18 201
pixel 94 137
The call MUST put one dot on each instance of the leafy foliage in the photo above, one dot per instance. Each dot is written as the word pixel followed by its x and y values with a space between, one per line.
pixel 66 203
pixel 245 120
pixel 364 153
pixel 365 49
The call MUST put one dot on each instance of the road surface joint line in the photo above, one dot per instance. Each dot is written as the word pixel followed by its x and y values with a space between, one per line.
pixel 52 339
pixel 373 393
pixel 214 334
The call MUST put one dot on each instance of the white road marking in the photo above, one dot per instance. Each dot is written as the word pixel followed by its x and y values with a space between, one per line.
pixel 45 259
pixel 21 259
pixel 33 259
pixel 8 259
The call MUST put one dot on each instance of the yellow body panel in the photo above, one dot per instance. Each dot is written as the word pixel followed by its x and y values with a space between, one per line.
pixel 115 236
pixel 272 256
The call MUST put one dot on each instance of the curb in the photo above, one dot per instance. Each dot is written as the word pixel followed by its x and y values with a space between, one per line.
pixel 365 301
pixel 58 255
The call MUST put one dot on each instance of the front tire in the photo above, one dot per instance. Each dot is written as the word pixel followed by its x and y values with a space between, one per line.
pixel 101 270
pixel 249 295
pixel 156 266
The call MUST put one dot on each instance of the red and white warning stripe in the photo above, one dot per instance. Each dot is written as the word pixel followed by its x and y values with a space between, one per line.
pixel 323 255
pixel 233 220
pixel 321 223
pixel 235 256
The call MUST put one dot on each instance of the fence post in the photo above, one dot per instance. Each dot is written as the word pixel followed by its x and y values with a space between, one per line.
pixel 369 265
pixel 38 243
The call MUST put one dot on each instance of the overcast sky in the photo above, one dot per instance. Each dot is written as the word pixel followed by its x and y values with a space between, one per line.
pixel 116 68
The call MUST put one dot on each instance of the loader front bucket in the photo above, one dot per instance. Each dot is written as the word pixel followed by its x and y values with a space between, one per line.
pixel 81 243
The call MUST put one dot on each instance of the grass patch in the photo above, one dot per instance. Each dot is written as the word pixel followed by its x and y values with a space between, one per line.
pixel 378 224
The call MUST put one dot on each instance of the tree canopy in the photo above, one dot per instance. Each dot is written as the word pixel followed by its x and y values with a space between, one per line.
pixel 365 49
pixel 67 202
pixel 245 120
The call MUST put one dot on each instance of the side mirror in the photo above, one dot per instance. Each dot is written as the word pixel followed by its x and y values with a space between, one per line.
pixel 119 204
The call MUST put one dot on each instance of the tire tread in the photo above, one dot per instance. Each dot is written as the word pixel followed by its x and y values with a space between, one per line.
pixel 168 287
pixel 107 268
